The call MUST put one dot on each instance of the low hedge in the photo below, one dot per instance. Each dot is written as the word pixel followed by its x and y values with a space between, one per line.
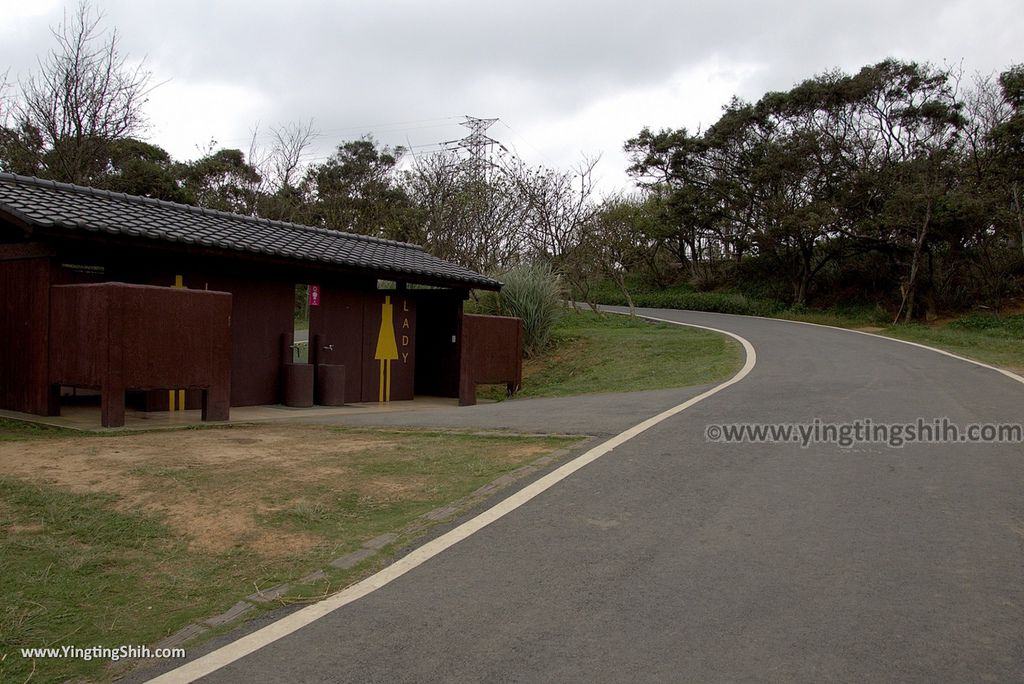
pixel 716 302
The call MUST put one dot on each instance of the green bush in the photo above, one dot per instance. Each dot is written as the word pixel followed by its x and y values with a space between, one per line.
pixel 717 302
pixel 990 324
pixel 532 292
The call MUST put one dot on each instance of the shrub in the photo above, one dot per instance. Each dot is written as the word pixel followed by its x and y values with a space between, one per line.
pixel 532 292
pixel 999 326
pixel 717 302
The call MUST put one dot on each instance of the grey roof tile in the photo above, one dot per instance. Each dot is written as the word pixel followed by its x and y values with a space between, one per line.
pixel 46 204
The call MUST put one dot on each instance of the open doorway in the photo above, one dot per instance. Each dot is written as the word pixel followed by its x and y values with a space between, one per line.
pixel 300 325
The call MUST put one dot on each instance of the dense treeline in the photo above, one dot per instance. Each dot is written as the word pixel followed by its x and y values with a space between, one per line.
pixel 899 185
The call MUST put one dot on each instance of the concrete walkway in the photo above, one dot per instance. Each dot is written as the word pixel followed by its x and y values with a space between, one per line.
pixel 595 414
pixel 88 417
pixel 590 414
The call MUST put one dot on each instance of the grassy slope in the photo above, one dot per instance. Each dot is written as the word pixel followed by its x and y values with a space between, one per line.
pixel 611 353
pixel 994 347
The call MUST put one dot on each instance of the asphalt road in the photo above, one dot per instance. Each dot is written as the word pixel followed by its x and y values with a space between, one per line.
pixel 673 558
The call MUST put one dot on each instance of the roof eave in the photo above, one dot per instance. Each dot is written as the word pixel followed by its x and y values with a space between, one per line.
pixel 62 234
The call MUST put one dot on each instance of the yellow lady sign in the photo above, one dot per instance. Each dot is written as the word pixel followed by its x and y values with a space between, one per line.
pixel 393 363
pixel 387 348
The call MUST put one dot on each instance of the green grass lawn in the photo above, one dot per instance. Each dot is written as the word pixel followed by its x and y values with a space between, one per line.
pixel 1001 344
pixel 117 540
pixel 613 353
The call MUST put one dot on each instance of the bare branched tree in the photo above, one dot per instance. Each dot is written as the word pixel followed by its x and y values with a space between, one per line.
pixel 281 167
pixel 5 99
pixel 559 204
pixel 85 95
pixel 472 220
pixel 282 164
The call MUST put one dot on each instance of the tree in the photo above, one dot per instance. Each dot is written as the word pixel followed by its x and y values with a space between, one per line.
pixel 135 167
pixel 1007 139
pixel 672 167
pixel 281 168
pixel 839 166
pixel 221 180
pixel 84 96
pixel 911 127
pixel 465 216
pixel 356 190
pixel 558 205
pixel 614 242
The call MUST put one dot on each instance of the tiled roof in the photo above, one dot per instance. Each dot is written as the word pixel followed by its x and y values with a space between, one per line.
pixel 47 204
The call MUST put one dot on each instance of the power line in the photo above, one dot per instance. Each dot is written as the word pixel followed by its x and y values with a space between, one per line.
pixel 525 140
pixel 370 128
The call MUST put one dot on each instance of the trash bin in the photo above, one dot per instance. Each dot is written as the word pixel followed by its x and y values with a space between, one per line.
pixel 330 384
pixel 298 385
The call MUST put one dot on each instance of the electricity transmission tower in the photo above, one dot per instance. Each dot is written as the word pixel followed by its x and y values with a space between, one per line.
pixel 479 147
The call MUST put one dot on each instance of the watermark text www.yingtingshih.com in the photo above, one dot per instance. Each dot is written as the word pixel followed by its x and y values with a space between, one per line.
pixel 866 432
pixel 111 653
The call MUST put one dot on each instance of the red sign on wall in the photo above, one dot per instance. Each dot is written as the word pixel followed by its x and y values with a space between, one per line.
pixel 314 295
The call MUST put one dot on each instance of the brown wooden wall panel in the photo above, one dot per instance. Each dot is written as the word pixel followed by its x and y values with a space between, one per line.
pixel 175 338
pixel 152 337
pixel 339 323
pixel 121 337
pixel 24 326
pixel 492 352
pixel 406 316
pixel 78 349
pixel 261 313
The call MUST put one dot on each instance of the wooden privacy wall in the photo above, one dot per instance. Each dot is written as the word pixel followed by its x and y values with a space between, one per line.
pixel 24 302
pixel 117 337
pixel 492 352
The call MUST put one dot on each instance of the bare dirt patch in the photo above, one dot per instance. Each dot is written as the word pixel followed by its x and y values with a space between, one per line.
pixel 523 453
pixel 212 485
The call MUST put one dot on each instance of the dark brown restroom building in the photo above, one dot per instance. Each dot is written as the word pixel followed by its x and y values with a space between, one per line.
pixel 165 303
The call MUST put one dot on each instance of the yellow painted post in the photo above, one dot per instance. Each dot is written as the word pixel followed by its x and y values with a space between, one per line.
pixel 179 283
pixel 387 348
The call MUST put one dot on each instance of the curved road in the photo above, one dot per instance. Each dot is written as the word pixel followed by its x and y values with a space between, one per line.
pixel 673 558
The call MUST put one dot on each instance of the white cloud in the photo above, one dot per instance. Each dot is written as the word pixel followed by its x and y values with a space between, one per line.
pixel 185 116
pixel 570 76
pixel 14 11
pixel 692 98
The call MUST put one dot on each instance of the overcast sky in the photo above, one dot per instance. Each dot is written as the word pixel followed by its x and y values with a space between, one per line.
pixel 565 78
